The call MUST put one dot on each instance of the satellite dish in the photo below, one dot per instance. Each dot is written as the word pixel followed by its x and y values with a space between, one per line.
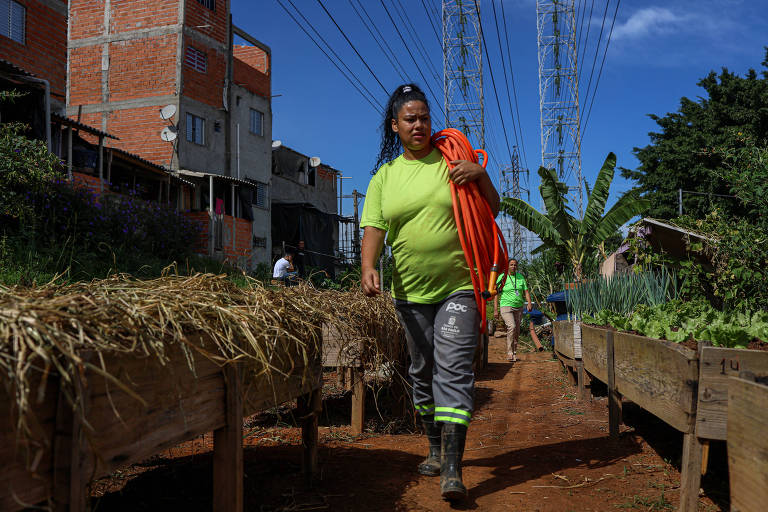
pixel 276 144
pixel 169 134
pixel 168 111
pixel 314 161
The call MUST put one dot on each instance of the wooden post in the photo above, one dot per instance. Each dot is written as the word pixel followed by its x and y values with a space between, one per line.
pixel 70 485
pixel 580 379
pixel 310 406
pixel 358 400
pixel 614 399
pixel 690 473
pixel 228 448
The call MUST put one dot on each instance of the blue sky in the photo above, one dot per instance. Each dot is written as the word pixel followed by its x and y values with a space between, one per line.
pixel 658 51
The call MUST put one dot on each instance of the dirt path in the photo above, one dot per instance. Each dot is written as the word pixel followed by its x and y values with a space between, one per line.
pixel 532 446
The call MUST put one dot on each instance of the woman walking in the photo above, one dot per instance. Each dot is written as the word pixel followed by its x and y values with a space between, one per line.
pixel 409 202
pixel 510 297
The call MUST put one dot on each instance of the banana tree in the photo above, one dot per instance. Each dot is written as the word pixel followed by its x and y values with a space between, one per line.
pixel 575 239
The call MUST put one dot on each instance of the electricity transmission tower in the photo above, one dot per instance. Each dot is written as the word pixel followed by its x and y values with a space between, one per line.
pixel 514 234
pixel 463 70
pixel 559 91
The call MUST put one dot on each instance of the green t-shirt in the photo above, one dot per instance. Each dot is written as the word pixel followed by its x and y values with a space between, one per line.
pixel 513 291
pixel 411 200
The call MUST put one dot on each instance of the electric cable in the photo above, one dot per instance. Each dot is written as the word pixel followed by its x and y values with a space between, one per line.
pixel 485 249
pixel 392 63
pixel 353 47
pixel 506 78
pixel 514 87
pixel 597 50
pixel 419 44
pixel 426 82
pixel 599 74
pixel 493 80
pixel 367 96
pixel 383 39
pixel 586 39
pixel 429 17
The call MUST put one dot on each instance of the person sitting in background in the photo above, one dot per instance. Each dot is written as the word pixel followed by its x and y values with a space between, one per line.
pixel 284 270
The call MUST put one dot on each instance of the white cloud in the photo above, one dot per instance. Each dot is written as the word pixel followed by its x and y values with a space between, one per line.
pixel 648 21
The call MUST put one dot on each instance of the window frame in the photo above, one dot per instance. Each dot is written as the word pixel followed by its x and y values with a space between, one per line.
pixel 208 4
pixel 7 27
pixel 192 129
pixel 196 59
pixel 251 123
pixel 264 187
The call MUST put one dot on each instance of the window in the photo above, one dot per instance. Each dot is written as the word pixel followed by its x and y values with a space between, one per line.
pixel 13 20
pixel 260 196
pixel 259 242
pixel 195 129
pixel 194 58
pixel 210 4
pixel 257 122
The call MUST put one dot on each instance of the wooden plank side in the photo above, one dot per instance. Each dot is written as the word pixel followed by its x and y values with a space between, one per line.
pixel 747 445
pixel 563 332
pixel 659 376
pixel 594 351
pixel 716 366
pixel 228 449
pixel 340 352
pixel 690 473
pixel 577 340
pixel 20 486
pixel 179 405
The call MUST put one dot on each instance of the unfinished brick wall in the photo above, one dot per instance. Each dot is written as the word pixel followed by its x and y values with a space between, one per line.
pixel 86 18
pixel 139 131
pixel 199 17
pixel 142 67
pixel 251 69
pixel 85 75
pixel 205 87
pixel 141 14
pixel 44 52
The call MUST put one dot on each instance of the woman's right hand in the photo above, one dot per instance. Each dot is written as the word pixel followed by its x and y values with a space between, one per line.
pixel 369 279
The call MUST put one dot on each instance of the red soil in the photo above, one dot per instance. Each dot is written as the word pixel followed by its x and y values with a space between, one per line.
pixel 532 446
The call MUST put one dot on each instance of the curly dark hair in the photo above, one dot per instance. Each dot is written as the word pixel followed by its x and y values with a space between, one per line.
pixel 390 142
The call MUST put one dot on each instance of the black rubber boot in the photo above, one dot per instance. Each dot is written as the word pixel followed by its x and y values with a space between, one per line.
pixel 431 465
pixel 451 486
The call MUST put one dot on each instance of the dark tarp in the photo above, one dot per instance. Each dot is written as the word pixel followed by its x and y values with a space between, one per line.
pixel 294 222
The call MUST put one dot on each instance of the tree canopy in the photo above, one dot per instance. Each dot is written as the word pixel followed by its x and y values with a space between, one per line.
pixel 692 149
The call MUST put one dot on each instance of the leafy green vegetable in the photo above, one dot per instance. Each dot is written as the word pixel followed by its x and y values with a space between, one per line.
pixel 679 321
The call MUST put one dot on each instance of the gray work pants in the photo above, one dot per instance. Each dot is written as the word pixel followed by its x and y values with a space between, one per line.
pixel 441 340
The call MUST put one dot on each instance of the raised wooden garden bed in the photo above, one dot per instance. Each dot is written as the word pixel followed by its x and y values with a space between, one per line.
pixel 65 453
pixel 747 445
pixel 567 335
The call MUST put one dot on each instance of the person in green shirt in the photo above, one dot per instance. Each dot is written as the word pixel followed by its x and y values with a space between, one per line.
pixel 510 298
pixel 408 202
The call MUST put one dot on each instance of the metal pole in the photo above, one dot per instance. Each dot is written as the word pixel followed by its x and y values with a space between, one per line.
pixel 210 215
pixel 680 202
pixel 356 239
pixel 69 153
pixel 101 163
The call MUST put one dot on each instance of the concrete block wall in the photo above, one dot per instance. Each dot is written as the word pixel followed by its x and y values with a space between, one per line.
pixel 44 52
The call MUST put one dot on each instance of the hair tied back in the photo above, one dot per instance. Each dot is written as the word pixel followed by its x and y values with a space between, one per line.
pixel 406 89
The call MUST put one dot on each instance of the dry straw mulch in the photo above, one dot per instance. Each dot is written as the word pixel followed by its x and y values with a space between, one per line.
pixel 46 330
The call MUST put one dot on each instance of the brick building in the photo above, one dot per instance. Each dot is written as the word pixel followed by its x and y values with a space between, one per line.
pixel 141 68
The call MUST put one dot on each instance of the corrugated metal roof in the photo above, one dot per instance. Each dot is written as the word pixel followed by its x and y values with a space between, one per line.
pixel 67 121
pixel 197 174
pixel 14 68
pixel 158 167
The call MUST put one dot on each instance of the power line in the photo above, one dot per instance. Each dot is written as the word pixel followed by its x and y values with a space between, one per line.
pixel 420 46
pixel 597 50
pixel 429 17
pixel 353 47
pixel 600 73
pixel 383 39
pixel 493 80
pixel 426 82
pixel 504 68
pixel 514 87
pixel 586 39
pixel 389 58
pixel 367 96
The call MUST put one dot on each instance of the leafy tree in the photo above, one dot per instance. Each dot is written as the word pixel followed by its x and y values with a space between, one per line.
pixel 691 149
pixel 575 240
pixel 746 173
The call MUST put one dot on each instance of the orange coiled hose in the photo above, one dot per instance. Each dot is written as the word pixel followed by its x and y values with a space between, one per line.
pixel 484 246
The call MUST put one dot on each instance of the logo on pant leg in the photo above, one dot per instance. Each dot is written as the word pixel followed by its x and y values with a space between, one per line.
pixel 450 329
pixel 453 306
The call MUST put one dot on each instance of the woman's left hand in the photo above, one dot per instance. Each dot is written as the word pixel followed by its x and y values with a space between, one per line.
pixel 465 172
